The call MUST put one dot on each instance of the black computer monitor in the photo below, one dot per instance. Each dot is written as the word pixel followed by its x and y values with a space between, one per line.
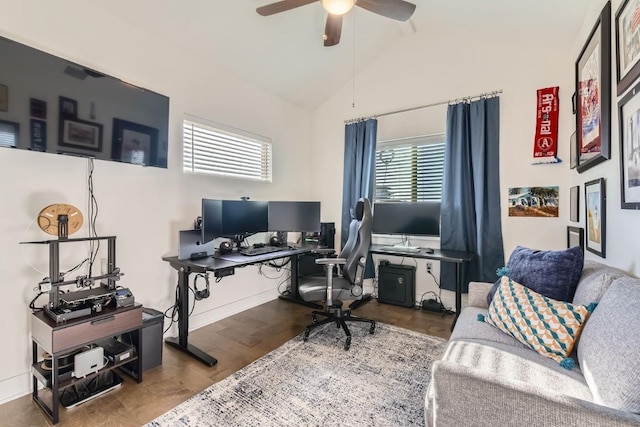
pixel 211 214
pixel 294 216
pixel 244 217
pixel 412 219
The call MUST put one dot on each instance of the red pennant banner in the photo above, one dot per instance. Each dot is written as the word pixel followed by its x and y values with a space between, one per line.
pixel 545 147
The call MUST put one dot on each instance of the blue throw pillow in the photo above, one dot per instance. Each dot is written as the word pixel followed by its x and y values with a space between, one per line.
pixel 554 274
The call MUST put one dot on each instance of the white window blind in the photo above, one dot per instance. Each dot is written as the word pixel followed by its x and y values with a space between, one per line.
pixel 8 135
pixel 410 170
pixel 212 149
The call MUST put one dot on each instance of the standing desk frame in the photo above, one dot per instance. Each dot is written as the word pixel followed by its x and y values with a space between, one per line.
pixel 217 263
pixel 457 257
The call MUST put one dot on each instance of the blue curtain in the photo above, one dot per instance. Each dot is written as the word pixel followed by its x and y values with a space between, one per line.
pixel 359 172
pixel 470 209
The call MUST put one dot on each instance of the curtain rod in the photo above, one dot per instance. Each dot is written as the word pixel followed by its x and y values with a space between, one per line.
pixel 419 107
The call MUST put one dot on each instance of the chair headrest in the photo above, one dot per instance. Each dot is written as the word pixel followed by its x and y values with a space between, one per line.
pixel 359 210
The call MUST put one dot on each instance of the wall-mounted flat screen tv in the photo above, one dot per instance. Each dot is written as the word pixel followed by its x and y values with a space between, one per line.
pixel 52 105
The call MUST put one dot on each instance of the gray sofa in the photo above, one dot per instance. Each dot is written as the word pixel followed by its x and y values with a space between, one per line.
pixel 487 378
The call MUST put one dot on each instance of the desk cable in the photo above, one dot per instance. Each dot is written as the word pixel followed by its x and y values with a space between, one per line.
pixel 175 307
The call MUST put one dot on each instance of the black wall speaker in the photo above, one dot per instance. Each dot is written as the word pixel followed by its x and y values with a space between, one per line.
pixel 396 284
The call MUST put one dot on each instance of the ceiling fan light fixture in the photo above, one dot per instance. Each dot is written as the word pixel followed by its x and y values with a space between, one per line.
pixel 338 7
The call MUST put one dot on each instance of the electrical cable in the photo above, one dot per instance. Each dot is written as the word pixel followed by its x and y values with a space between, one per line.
pixel 92 214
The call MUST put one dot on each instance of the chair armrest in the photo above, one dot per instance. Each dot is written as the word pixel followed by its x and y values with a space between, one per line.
pixel 323 251
pixel 331 261
pixel 478 294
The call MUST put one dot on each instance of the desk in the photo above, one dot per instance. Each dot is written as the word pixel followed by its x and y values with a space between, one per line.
pixel 456 257
pixel 219 263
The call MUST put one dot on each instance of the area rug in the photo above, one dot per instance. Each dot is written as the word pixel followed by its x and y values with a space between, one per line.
pixel 380 381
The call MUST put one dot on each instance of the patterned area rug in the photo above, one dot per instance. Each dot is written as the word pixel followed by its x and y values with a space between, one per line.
pixel 380 381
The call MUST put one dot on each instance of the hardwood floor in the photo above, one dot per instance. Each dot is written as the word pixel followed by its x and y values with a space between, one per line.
pixel 235 341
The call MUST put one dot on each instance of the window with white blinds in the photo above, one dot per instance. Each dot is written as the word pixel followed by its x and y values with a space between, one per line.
pixel 217 150
pixel 410 170
pixel 8 135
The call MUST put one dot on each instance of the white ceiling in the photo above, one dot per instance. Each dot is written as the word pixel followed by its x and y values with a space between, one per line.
pixel 284 53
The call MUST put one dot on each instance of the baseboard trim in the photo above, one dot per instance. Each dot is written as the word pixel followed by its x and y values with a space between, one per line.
pixel 205 318
pixel 15 387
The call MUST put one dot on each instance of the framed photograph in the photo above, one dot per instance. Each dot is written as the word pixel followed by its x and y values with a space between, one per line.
pixel 534 201
pixel 627 44
pixel 9 133
pixel 575 237
pixel 595 206
pixel 573 160
pixel 629 116
pixel 593 86
pixel 38 108
pixel 81 134
pixel 574 212
pixel 68 108
pixel 4 98
pixel 134 143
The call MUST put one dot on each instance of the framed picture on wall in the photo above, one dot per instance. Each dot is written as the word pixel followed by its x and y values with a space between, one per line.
pixel 629 116
pixel 574 209
pixel 575 237
pixel 134 143
pixel 627 49
pixel 595 207
pixel 593 87
pixel 80 134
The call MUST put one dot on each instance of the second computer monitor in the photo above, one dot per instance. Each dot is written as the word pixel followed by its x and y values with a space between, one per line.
pixel 244 217
pixel 412 219
pixel 294 216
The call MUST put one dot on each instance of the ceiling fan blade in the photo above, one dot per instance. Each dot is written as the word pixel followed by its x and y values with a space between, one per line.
pixel 399 10
pixel 332 30
pixel 282 6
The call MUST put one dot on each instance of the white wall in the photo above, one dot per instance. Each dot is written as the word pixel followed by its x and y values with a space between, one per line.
pixel 143 207
pixel 423 70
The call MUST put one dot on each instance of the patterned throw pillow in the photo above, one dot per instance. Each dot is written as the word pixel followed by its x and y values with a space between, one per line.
pixel 547 326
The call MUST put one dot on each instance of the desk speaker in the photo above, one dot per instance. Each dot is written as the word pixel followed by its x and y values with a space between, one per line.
pixel 396 284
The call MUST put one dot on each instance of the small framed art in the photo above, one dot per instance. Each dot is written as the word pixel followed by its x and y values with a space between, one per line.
pixel 575 237
pixel 629 116
pixel 595 207
pixel 627 52
pixel 574 210
pixel 81 134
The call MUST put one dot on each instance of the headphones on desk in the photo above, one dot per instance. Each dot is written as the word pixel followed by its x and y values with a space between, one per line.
pixel 204 293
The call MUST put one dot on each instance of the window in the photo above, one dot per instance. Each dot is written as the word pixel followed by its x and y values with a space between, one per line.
pixel 218 150
pixel 410 170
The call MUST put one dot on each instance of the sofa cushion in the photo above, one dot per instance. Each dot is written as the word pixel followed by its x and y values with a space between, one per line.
pixel 608 351
pixel 594 282
pixel 514 364
pixel 554 274
pixel 469 329
pixel 547 326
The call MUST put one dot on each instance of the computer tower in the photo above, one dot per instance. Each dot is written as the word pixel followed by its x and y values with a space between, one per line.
pixel 396 284
pixel 326 238
pixel 328 234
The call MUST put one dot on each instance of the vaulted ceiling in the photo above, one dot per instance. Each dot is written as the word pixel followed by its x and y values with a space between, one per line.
pixel 284 53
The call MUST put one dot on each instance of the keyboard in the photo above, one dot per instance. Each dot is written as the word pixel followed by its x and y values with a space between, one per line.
pixel 260 251
pixel 401 249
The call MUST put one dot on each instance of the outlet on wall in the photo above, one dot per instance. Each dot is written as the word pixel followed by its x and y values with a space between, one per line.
pixel 429 267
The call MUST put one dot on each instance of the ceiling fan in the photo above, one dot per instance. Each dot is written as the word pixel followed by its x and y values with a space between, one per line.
pixel 399 10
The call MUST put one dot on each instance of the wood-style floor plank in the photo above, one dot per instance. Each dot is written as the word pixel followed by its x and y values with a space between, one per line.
pixel 235 341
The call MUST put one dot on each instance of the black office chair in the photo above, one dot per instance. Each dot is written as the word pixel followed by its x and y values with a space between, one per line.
pixel 348 283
